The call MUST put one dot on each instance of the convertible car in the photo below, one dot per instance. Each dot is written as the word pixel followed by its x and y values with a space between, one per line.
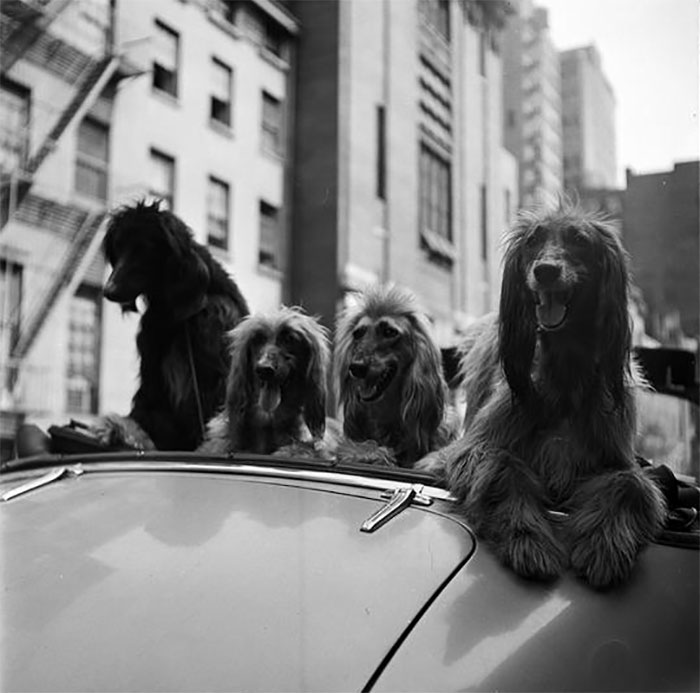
pixel 177 572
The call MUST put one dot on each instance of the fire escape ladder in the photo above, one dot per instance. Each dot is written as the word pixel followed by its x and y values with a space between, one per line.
pixel 96 78
pixel 93 83
pixel 32 17
pixel 83 247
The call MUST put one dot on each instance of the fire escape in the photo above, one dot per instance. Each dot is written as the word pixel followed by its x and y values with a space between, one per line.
pixel 24 35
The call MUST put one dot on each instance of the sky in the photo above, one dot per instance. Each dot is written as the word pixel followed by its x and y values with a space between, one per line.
pixel 649 51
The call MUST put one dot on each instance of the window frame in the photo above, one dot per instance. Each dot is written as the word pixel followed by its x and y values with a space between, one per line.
pixel 214 102
pixel 92 295
pixel 169 197
pixel 220 241
pixel 17 155
pixel 272 134
pixel 269 236
pixel 88 162
pixel 164 80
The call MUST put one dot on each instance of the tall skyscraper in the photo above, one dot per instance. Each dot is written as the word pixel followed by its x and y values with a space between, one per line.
pixel 588 121
pixel 532 103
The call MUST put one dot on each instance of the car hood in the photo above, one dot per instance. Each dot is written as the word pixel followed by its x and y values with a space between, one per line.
pixel 158 579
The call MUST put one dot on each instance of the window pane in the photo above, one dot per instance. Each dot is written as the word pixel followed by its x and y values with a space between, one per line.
pixel 268 254
pixel 217 213
pixel 83 354
pixel 165 47
pixel 271 124
pixel 93 139
pixel 162 177
pixel 14 118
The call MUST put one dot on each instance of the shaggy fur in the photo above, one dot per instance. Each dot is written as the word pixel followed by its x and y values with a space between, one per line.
pixel 389 380
pixel 189 297
pixel 276 392
pixel 550 408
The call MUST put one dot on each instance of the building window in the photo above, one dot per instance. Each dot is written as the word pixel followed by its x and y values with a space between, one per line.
pixel 381 152
pixel 162 178
pixel 92 159
pixel 268 254
pixel 228 9
pixel 221 88
pixel 14 125
pixel 166 59
pixel 435 193
pixel 274 38
pixel 484 223
pixel 10 309
pixel 217 213
pixel 271 124
pixel 437 14
pixel 83 351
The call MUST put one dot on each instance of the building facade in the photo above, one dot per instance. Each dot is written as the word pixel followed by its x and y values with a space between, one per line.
pixel 662 235
pixel 532 103
pixel 400 171
pixel 104 103
pixel 588 121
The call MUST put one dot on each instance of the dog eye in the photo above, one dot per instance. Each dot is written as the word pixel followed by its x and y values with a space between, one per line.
pixel 289 341
pixel 359 332
pixel 388 331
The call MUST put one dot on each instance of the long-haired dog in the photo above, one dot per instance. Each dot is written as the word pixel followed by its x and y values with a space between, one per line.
pixel 550 408
pixel 276 391
pixel 191 304
pixel 389 380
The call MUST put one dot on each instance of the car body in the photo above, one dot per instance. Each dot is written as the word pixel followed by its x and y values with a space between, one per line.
pixel 177 572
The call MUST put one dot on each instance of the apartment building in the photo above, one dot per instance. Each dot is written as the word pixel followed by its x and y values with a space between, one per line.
pixel 532 103
pixel 588 121
pixel 105 102
pixel 400 171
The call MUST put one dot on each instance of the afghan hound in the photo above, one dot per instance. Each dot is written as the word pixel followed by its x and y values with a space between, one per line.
pixel 276 391
pixel 191 305
pixel 550 408
pixel 389 379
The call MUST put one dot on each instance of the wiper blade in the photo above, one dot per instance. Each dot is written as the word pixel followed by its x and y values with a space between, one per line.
pixel 42 480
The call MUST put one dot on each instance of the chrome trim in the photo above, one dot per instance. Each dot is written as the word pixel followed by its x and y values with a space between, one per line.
pixel 43 480
pixel 323 476
pixel 399 500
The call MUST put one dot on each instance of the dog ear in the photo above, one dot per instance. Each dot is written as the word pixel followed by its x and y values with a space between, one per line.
pixel 517 324
pixel 239 392
pixel 186 273
pixel 613 323
pixel 316 373
pixel 424 392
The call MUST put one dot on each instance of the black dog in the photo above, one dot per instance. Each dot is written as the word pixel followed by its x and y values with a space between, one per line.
pixel 192 304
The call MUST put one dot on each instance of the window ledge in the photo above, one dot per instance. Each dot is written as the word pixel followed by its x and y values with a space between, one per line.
pixel 271 272
pixel 165 96
pixel 220 128
pixel 439 249
pixel 218 20
pixel 274 60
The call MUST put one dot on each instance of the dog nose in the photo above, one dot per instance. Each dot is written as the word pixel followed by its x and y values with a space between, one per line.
pixel 265 371
pixel 358 369
pixel 547 272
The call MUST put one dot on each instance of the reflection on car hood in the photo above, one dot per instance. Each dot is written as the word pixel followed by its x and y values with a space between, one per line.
pixel 177 581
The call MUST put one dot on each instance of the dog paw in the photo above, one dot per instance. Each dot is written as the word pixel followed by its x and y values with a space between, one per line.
pixel 604 557
pixel 115 431
pixel 533 555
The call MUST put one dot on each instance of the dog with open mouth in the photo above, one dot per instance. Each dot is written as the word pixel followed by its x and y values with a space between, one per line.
pixel 550 419
pixel 276 389
pixel 389 380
